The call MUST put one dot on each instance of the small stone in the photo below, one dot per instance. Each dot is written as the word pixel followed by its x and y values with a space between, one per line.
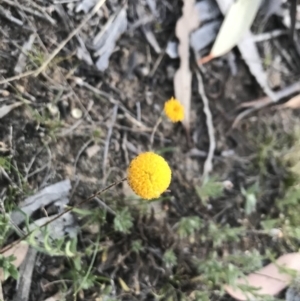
pixel 92 150
pixel 143 71
pixel 276 233
pixel 228 185
pixel 20 88
pixel 76 113
pixel 5 93
pixel 53 109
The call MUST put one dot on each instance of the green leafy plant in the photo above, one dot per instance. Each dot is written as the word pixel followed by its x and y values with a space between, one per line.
pixel 170 258
pixel 137 246
pixel 5 164
pixel 4 228
pixel 123 221
pixel 215 271
pixel 220 235
pixel 9 269
pixel 250 198
pixel 210 188
pixel 188 225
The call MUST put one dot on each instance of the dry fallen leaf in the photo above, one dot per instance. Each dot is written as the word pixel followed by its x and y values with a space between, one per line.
pixel 55 193
pixel 23 54
pixel 237 21
pixel 293 103
pixel 92 150
pixel 4 110
pixel 19 251
pixel 269 280
pixel 183 76
pixel 248 49
pixel 124 285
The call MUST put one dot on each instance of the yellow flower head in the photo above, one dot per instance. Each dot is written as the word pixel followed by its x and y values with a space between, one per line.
pixel 149 175
pixel 174 110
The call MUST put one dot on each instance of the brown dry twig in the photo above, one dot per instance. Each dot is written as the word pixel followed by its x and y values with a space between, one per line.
pixel 188 22
pixel 26 270
pixel 107 142
pixel 154 131
pixel 58 48
pixel 210 128
pixel 70 36
pixel 42 15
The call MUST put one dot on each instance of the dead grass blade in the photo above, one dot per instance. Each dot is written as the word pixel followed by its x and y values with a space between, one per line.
pixel 70 36
pixel 58 48
pixel 208 165
pixel 25 279
pixel 183 76
pixel 4 110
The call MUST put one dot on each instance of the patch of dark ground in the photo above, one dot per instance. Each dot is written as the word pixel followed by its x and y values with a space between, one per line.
pixel 54 144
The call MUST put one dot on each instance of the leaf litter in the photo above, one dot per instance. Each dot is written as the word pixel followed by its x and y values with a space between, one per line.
pixel 237 22
pixel 270 280
pixel 183 76
pixel 104 42
pixel 56 193
pixel 156 237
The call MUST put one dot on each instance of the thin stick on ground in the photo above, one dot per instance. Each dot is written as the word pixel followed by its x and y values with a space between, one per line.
pixel 82 149
pixel 154 131
pixel 62 213
pixel 70 36
pixel 25 280
pixel 107 142
pixel 107 208
pixel 43 14
pixel 208 165
pixel 58 48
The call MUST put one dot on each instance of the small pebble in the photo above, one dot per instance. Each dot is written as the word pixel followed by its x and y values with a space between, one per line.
pixel 53 109
pixel 227 184
pixel 20 88
pixel 76 113
pixel 143 71
pixel 4 93
pixel 276 233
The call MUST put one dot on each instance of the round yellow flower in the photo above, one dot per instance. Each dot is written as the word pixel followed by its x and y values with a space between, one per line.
pixel 174 110
pixel 149 175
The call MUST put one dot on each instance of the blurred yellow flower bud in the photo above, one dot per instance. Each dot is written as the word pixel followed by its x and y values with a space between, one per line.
pixel 174 110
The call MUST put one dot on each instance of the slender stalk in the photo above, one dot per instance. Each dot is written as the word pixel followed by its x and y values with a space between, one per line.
pixel 158 122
